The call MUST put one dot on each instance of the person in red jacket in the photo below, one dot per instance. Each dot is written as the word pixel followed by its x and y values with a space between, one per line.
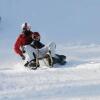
pixel 23 39
pixel 29 47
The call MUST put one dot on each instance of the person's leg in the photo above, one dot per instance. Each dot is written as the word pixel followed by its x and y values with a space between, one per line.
pixel 42 52
pixel 52 48
pixel 45 53
pixel 31 57
pixel 29 53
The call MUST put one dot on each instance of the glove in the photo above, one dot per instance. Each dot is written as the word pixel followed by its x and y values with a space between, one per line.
pixel 23 51
pixel 23 57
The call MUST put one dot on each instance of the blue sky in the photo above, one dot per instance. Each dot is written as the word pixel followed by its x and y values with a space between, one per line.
pixel 61 21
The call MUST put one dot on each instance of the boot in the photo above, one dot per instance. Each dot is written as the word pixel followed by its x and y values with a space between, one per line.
pixel 61 59
pixel 48 58
pixel 26 64
pixel 33 65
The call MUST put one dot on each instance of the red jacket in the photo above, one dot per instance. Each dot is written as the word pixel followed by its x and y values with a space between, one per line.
pixel 21 41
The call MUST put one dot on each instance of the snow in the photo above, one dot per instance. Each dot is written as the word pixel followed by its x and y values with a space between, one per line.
pixel 79 79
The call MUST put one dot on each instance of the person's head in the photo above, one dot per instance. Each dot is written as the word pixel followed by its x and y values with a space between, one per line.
pixel 36 36
pixel 25 28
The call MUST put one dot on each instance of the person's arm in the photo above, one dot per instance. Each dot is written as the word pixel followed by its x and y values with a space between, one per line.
pixel 17 46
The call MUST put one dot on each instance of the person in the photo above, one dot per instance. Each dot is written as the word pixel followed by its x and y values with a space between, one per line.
pixel 27 44
pixel 36 50
pixel 23 39
pixel 30 49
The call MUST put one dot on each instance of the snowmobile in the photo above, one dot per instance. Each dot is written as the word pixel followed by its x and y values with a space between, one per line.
pixel 49 60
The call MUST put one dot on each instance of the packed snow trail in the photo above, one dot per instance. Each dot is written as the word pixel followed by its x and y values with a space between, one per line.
pixel 52 83
pixel 79 79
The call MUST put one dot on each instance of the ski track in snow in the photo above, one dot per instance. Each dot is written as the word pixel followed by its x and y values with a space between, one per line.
pixel 50 83
pixel 79 79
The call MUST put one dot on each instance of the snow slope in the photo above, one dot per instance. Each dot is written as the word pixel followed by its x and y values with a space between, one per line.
pixel 79 79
